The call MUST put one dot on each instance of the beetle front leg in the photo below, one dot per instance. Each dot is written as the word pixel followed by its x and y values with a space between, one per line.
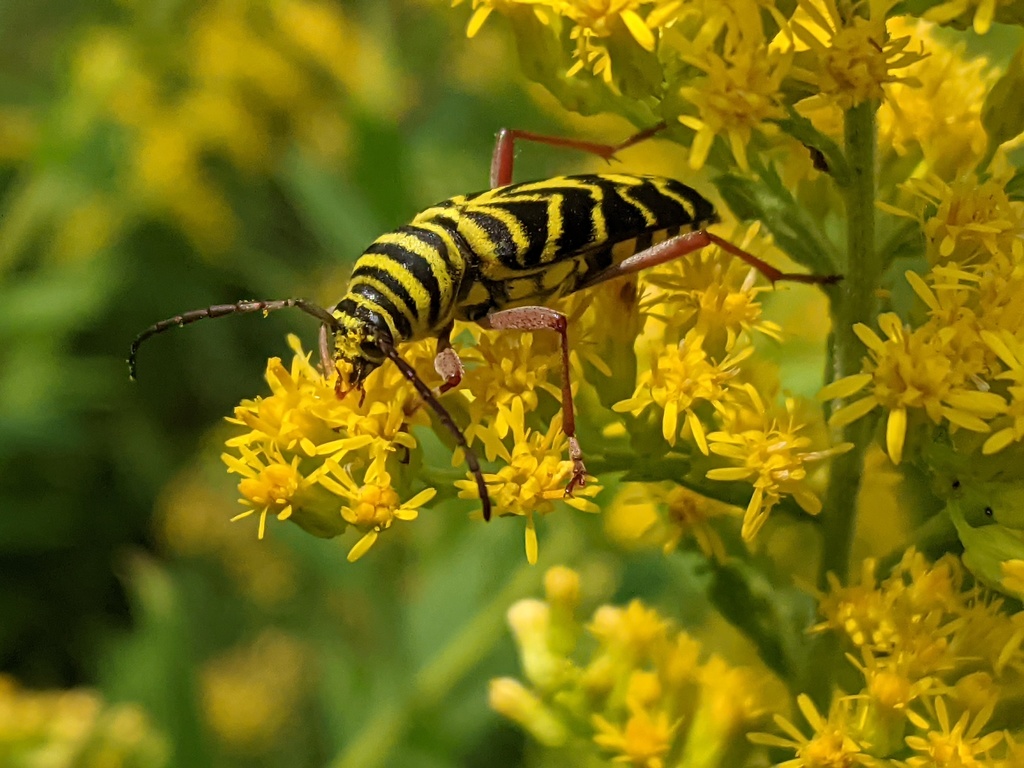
pixel 539 319
pixel 326 358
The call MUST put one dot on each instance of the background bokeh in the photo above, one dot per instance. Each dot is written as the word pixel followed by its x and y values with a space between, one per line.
pixel 161 156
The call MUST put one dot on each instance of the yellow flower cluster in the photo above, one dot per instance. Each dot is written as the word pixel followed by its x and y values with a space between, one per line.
pixel 321 460
pixel 329 463
pixel 74 727
pixel 962 366
pixel 939 663
pixel 643 693
pixel 723 70
pixel 701 317
pixel 940 666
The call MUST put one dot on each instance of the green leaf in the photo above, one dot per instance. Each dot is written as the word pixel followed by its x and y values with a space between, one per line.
pixel 803 130
pixel 768 200
pixel 757 608
pixel 1002 114
pixel 1015 186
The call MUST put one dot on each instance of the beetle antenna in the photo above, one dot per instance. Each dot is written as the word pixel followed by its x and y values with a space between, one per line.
pixel 220 310
pixel 388 348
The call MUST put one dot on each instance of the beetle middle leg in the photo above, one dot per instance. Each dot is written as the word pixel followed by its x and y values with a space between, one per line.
pixel 539 319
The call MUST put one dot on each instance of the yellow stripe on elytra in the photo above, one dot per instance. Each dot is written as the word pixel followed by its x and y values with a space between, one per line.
pixel 596 211
pixel 625 193
pixel 556 223
pixel 685 202
pixel 520 237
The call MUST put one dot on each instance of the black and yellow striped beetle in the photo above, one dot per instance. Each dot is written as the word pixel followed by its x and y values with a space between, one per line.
pixel 495 258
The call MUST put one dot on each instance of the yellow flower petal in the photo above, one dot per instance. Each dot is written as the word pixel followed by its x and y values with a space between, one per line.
pixel 850 413
pixel 531 541
pixel 477 20
pixel 639 29
pixel 698 431
pixel 362 546
pixel 844 387
pixel 895 433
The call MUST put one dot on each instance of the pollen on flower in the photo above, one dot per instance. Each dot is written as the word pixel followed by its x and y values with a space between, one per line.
pixel 739 93
pixel 321 461
pixel 773 457
pixel 534 476
pixel 681 379
pixel 912 370
pixel 855 56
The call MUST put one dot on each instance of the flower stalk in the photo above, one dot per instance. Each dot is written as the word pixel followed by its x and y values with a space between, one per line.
pixel 853 302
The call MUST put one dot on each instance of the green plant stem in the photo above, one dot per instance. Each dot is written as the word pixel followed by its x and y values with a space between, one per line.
pixel 853 303
pixel 383 731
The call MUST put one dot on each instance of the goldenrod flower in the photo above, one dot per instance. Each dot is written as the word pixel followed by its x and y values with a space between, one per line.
pixel 638 696
pixel 304 445
pixel 534 476
pixel 372 505
pixel 1011 351
pixel 855 55
pixel 833 740
pixel 773 457
pixel 712 294
pixel 596 20
pixel 741 91
pixel 505 370
pixel 957 744
pixel 911 370
pixel 643 741
pixel 666 515
pixel 682 378
pixel 965 219
pixel 938 109
pixel 270 485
